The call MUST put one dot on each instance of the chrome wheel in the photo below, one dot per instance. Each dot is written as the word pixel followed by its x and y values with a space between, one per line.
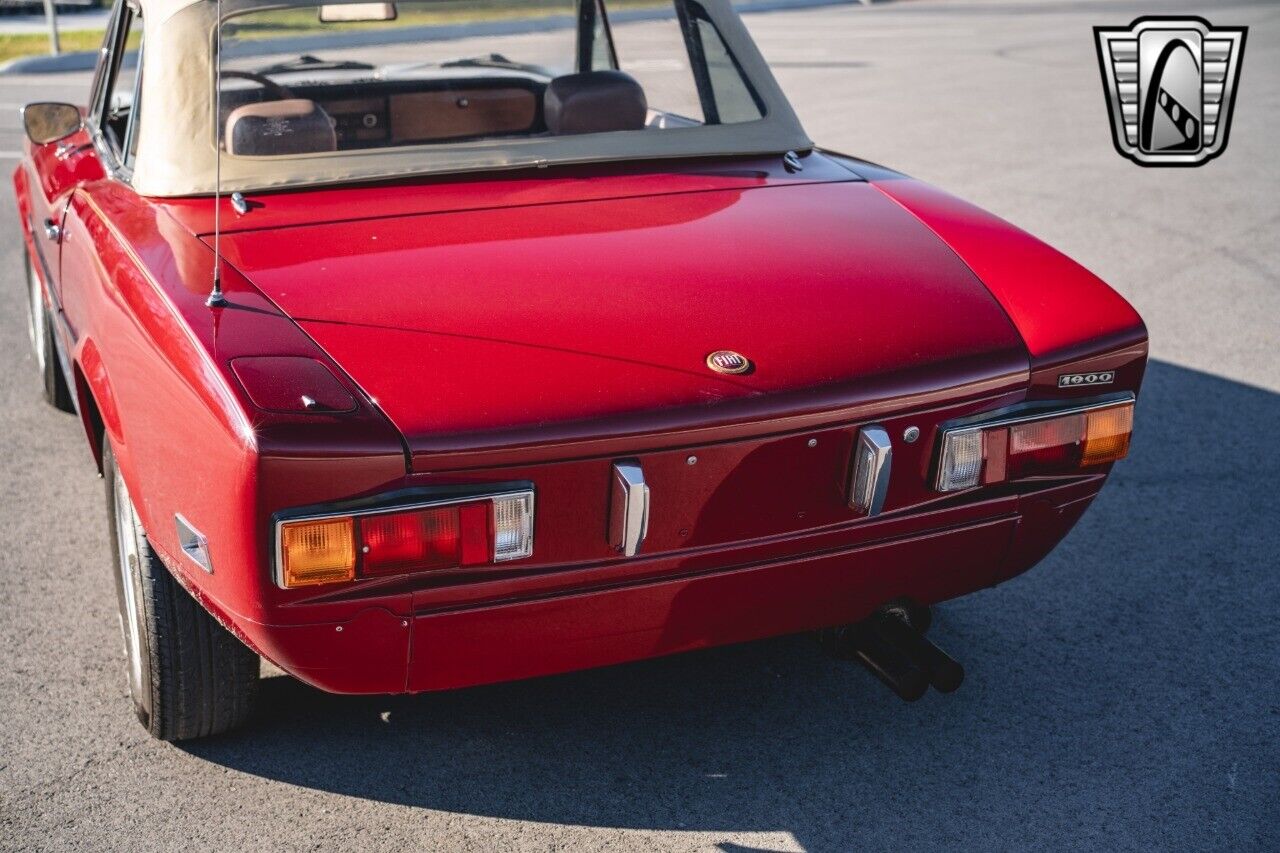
pixel 127 565
pixel 35 317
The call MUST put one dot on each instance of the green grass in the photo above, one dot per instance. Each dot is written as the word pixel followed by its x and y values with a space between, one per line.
pixel 14 45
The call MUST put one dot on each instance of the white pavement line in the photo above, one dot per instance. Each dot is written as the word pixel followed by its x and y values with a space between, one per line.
pixel 10 155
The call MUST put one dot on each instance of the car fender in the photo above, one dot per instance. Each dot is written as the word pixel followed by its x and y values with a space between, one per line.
pixel 26 222
pixel 96 402
pixel 21 192
pixel 1062 310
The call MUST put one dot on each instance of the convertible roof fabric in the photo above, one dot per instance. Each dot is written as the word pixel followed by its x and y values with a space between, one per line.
pixel 177 149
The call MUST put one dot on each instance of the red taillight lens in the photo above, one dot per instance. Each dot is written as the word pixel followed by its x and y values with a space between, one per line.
pixel 443 537
pixel 475 536
pixel 1044 447
pixel 1051 444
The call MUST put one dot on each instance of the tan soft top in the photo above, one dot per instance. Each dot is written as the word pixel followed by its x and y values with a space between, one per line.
pixel 177 152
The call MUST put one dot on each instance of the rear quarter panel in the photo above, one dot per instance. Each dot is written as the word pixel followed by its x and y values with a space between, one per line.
pixel 153 359
pixel 1063 311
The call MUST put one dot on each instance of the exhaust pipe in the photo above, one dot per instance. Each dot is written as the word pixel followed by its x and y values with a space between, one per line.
pixel 898 654
pixel 944 672
pixel 887 663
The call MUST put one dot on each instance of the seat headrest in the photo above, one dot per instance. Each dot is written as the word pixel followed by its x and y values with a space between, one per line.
pixel 594 102
pixel 292 126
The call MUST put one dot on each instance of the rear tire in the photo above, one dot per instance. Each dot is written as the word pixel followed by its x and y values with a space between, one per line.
pixel 44 344
pixel 188 676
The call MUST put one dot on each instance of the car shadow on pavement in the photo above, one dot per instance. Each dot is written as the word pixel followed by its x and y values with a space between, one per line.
pixel 1124 689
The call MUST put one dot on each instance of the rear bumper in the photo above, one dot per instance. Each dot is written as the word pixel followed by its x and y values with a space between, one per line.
pixel 541 633
pixel 628 623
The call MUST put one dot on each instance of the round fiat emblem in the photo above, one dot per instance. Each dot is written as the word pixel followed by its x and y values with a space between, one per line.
pixel 728 361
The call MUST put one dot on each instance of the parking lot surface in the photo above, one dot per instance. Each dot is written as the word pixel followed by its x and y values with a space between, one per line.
pixel 1122 695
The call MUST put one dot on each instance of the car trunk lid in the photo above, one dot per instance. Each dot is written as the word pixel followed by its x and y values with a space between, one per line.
pixel 537 332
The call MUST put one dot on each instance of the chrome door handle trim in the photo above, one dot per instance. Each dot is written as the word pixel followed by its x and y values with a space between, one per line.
pixel 52 230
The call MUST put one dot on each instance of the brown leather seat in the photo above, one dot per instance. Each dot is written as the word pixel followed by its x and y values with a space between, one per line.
pixel 594 102
pixel 293 126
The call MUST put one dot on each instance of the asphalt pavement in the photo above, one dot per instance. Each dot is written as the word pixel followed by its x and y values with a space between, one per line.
pixel 1125 694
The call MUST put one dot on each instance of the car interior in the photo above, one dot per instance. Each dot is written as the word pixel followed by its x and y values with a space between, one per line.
pixel 272 119
pixel 380 87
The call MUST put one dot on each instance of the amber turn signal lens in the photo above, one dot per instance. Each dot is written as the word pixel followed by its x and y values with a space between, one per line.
pixel 315 552
pixel 1106 434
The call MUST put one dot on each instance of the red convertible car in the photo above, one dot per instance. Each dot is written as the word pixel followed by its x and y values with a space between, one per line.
pixel 425 345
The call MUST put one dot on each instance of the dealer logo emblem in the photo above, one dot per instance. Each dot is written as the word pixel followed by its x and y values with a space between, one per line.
pixel 1170 85
pixel 728 361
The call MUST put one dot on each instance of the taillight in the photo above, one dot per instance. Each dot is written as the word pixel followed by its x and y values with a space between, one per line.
pixel 1061 442
pixel 1107 434
pixel 404 540
pixel 442 537
pixel 316 552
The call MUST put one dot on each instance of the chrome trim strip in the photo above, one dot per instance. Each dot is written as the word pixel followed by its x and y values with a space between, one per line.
pixel 628 508
pixel 193 543
pixel 131 130
pixel 277 568
pixel 1043 414
pixel 876 440
pixel 1012 417
pixel 44 267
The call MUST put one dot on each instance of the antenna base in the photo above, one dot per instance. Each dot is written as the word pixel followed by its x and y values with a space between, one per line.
pixel 216 300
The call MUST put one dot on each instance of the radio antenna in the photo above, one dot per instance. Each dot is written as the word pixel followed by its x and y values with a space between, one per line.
pixel 216 299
